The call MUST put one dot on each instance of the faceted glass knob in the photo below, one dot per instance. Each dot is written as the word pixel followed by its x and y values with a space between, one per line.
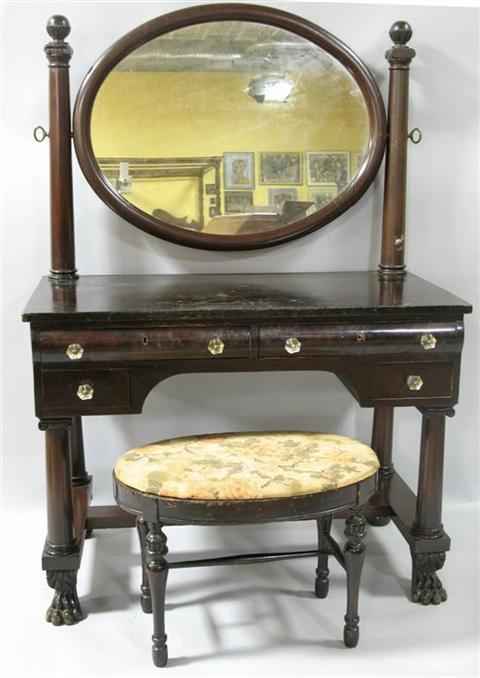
pixel 428 341
pixel 414 382
pixel 293 345
pixel 216 346
pixel 85 392
pixel 74 351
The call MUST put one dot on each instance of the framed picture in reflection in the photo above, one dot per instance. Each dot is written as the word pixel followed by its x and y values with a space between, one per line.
pixel 238 170
pixel 279 196
pixel 280 168
pixel 328 167
pixel 323 195
pixel 237 201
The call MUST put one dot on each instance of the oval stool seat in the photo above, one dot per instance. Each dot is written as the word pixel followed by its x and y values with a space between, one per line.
pixel 247 478
pixel 252 465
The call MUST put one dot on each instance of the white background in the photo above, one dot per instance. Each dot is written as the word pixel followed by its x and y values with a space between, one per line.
pixel 442 246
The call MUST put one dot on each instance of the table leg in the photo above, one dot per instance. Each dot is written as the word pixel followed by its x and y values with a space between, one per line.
pixel 61 553
pixel 382 439
pixel 81 481
pixel 427 526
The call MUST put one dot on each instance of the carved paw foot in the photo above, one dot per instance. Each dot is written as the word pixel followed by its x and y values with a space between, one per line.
pixel 426 585
pixel 65 607
pixel 429 590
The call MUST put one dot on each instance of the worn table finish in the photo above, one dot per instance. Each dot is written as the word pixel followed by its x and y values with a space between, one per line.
pixel 391 343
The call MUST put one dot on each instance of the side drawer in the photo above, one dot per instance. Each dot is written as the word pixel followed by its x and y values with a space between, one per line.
pixel 351 339
pixel 88 390
pixel 406 380
pixel 170 343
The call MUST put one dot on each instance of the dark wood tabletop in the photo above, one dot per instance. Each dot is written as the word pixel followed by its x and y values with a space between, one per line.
pixel 236 297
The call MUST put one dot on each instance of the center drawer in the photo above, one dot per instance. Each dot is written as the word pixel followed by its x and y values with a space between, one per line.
pixel 58 346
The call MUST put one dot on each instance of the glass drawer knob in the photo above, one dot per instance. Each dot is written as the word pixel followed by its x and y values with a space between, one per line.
pixel 414 382
pixel 428 341
pixel 85 392
pixel 216 346
pixel 74 351
pixel 293 345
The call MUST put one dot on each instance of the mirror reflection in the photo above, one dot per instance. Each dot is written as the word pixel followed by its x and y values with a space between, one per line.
pixel 229 128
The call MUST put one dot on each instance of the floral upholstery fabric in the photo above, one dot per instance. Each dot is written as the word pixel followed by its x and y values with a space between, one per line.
pixel 256 465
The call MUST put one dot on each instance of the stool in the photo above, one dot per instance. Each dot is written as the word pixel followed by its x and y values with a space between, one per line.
pixel 239 478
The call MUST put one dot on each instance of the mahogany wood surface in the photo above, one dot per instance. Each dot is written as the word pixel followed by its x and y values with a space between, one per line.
pixel 224 297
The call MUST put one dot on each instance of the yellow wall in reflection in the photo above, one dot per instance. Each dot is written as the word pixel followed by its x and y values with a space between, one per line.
pixel 140 114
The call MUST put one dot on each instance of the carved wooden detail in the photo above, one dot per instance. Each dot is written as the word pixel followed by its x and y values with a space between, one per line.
pixel 65 606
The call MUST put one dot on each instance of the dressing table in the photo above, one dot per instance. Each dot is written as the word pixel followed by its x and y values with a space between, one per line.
pixel 101 343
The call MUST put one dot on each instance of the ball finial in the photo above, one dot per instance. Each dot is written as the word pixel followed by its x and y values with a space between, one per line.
pixel 401 32
pixel 58 27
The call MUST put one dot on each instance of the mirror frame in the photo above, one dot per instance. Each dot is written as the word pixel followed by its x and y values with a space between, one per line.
pixel 228 12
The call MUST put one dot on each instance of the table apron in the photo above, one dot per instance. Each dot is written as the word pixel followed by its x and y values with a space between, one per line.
pixel 121 388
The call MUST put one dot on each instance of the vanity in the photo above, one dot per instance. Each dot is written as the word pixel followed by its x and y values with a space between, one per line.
pixel 299 133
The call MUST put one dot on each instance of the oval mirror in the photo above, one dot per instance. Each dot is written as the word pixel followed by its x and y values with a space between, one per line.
pixel 229 127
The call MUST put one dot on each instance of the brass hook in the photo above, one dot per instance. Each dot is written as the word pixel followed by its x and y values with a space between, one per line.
pixel 40 134
pixel 415 135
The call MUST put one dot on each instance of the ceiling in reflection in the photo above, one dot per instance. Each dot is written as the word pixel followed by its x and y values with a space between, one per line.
pixel 226 46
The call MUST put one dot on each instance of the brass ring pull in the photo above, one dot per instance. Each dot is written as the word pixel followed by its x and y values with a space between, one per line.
pixel 216 346
pixel 415 135
pixel 40 134
pixel 85 391
pixel 293 345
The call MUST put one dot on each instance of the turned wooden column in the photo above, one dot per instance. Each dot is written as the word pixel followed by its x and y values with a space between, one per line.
pixel 393 231
pixel 382 439
pixel 60 539
pixel 428 515
pixel 59 53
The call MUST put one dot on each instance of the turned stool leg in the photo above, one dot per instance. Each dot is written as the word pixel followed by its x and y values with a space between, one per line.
pixel 354 554
pixel 157 571
pixel 145 598
pixel 324 525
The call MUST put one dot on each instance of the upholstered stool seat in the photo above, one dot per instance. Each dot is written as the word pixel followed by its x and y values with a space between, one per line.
pixel 257 465
pixel 237 478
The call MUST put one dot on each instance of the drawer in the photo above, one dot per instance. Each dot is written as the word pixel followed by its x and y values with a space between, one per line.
pixel 351 339
pixel 89 390
pixel 407 380
pixel 129 345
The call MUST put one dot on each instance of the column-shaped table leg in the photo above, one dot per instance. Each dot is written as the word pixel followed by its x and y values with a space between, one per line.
pixel 426 585
pixel 382 441
pixel 81 481
pixel 60 557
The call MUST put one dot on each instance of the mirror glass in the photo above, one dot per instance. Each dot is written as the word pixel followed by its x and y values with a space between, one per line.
pixel 229 128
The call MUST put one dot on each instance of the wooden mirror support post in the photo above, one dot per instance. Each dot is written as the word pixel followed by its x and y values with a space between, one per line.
pixel 393 232
pixel 59 54
pixel 68 483
pixel 392 263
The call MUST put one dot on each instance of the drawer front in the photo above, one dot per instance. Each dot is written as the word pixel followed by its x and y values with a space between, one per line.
pixel 312 340
pixel 400 381
pixel 57 346
pixel 85 390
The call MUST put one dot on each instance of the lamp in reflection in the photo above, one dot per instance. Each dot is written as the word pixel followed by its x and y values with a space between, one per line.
pixel 270 88
pixel 124 180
